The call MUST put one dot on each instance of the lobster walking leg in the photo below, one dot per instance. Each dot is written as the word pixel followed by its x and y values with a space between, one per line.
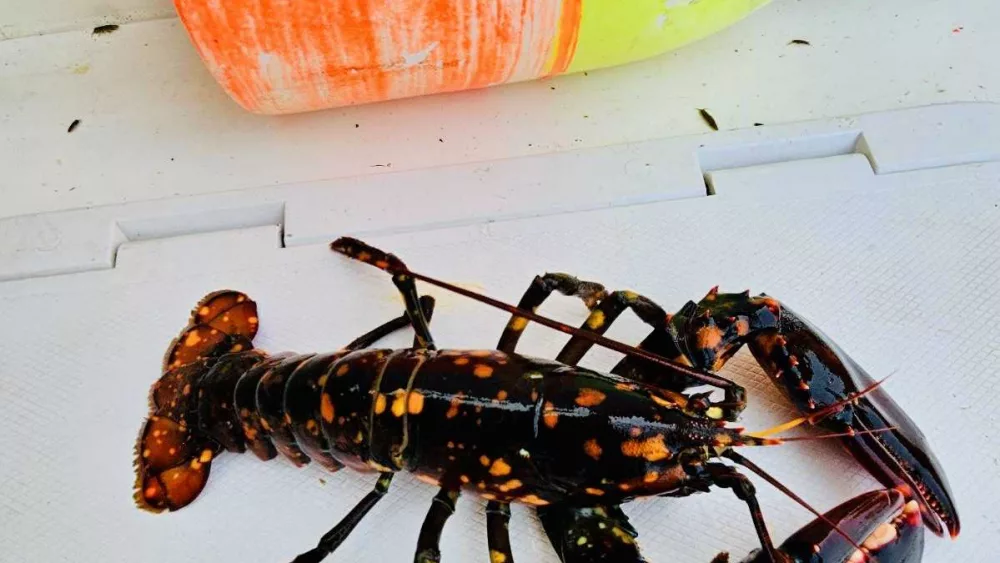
pixel 371 337
pixel 428 544
pixel 336 536
pixel 605 309
pixel 726 477
pixel 497 533
pixel 590 534
pixel 407 286
pixel 540 289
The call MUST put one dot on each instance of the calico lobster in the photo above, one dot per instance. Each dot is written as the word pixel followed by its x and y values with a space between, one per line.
pixel 571 442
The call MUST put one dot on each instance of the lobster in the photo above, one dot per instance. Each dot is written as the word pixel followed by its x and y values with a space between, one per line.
pixel 571 442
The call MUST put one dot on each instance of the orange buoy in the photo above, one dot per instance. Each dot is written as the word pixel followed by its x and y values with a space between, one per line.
pixel 292 56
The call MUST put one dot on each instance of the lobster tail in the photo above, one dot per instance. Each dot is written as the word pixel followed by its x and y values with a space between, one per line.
pixel 179 439
pixel 172 464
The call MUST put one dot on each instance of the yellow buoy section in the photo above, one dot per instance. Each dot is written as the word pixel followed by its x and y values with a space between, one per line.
pixel 614 32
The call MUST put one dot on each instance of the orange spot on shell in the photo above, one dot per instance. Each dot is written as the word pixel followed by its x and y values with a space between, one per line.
pixel 652 449
pixel 326 408
pixel 593 449
pixel 499 468
pixel 461 361
pixel 380 404
pixel 549 415
pixel 594 492
pixel 590 397
pixel 533 500
pixel 342 370
pixel 482 371
pixel 415 402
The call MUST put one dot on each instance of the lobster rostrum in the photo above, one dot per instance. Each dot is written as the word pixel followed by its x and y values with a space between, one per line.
pixel 571 442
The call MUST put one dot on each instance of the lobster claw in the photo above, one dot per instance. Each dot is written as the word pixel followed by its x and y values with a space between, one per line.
pixel 885 524
pixel 813 372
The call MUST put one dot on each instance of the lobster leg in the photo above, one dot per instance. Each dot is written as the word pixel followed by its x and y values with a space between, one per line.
pixel 605 309
pixel 590 534
pixel 404 283
pixel 726 477
pixel 497 534
pixel 336 536
pixel 428 544
pixel 540 289
pixel 371 337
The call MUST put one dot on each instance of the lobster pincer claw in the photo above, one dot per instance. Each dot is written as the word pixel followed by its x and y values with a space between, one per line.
pixel 814 373
pixel 884 524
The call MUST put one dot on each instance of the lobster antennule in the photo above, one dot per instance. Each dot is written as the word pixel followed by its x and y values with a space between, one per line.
pixel 822 413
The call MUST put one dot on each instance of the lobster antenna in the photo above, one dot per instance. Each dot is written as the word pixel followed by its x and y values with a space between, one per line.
pixel 822 413
pixel 358 250
pixel 778 440
pixel 788 492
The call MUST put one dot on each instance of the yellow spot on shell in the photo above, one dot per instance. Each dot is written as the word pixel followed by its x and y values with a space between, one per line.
pixel 499 468
pixel 715 413
pixel 596 319
pixel 622 535
pixel 146 453
pixel 415 402
pixel 206 456
pixel 380 404
pixel 204 311
pixel 187 389
pixel 482 371
pixel 517 324
pixel 481 353
pixel 326 408
pixel 321 382
pixel 192 338
pixel 497 557
pixel 651 477
pixel 590 397
pixel 464 479
pixel 593 449
pixel 484 460
pixel 582 540
pixel 594 492
pixel 399 404
pixel 195 464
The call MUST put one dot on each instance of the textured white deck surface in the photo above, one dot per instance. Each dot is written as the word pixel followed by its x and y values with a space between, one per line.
pixel 900 268
pixel 890 245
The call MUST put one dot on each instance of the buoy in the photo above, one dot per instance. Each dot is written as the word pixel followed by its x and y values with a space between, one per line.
pixel 289 56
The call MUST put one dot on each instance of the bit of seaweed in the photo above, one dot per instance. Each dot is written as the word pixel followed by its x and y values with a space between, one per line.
pixel 709 120
pixel 72 126
pixel 799 42
pixel 105 29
